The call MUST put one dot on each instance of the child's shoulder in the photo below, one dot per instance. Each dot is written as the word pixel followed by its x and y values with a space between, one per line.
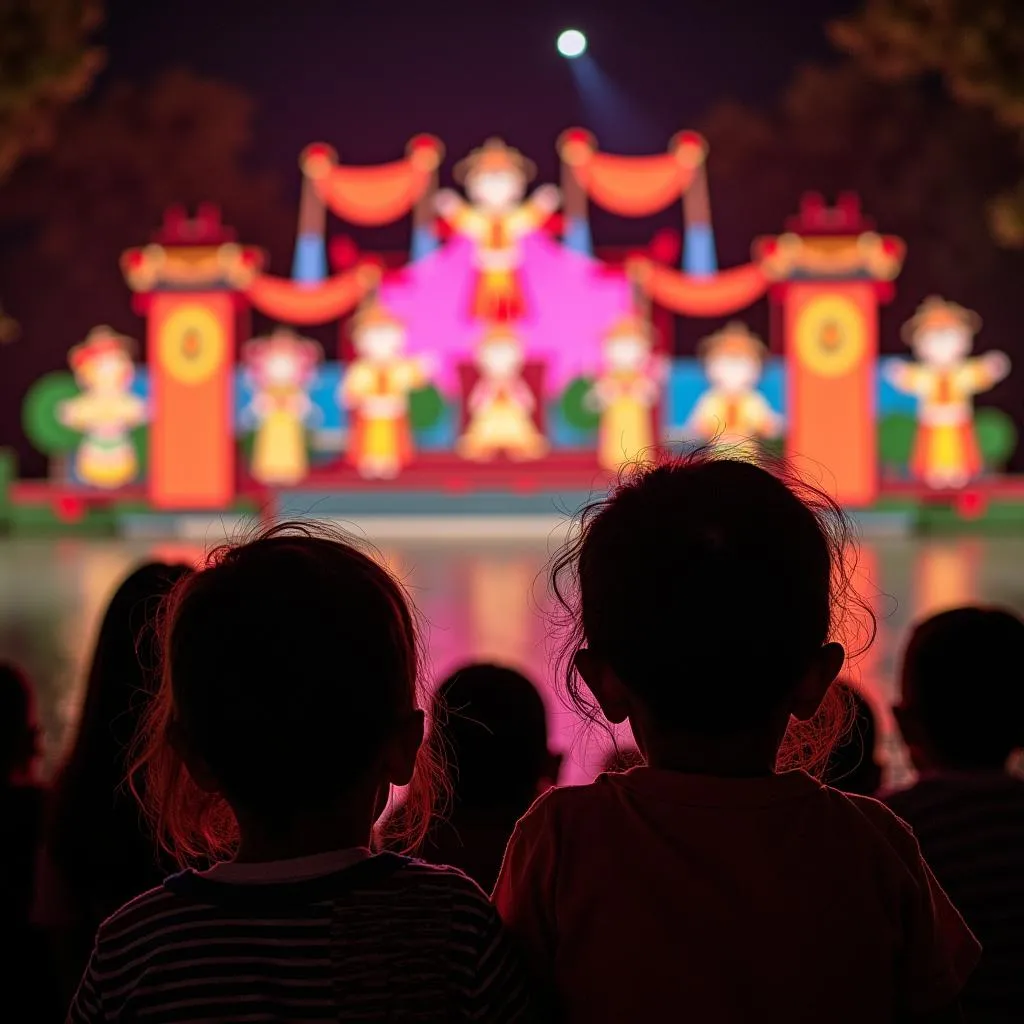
pixel 136 915
pixel 441 878
pixel 873 818
pixel 561 804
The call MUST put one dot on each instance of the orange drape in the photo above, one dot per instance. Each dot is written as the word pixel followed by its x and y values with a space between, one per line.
pixel 634 186
pixel 373 195
pixel 722 293
pixel 282 299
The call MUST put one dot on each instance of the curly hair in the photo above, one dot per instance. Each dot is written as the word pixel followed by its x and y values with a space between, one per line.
pixel 288 661
pixel 708 583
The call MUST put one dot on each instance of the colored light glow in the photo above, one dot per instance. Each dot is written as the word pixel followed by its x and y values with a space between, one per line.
pixel 572 43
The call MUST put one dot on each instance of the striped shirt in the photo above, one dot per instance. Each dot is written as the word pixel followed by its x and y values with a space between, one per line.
pixel 971 830
pixel 387 938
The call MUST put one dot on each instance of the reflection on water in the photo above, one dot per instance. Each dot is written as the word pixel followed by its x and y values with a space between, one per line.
pixel 479 600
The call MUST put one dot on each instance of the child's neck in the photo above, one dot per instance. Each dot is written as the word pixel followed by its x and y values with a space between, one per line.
pixel 746 754
pixel 305 835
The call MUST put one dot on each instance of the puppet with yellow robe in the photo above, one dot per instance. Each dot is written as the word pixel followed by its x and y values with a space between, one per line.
pixel 375 389
pixel 281 367
pixel 945 379
pixel 626 392
pixel 732 412
pixel 501 404
pixel 496 217
pixel 106 411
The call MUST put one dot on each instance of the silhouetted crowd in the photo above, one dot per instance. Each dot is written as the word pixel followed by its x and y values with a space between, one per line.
pixel 220 842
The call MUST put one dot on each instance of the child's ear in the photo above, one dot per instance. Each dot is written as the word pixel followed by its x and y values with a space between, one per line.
pixel 824 670
pixel 612 697
pixel 400 755
pixel 198 770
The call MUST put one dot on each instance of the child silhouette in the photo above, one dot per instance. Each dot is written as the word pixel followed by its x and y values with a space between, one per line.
pixel 288 708
pixel 705 603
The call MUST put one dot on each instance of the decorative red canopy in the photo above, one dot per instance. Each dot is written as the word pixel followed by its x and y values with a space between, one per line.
pixel 283 299
pixel 717 295
pixel 632 186
pixel 374 195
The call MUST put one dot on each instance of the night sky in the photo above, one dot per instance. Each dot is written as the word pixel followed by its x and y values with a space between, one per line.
pixel 366 77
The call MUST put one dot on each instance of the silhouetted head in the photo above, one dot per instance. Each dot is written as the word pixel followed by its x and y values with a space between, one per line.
pixel 490 723
pixel 291 666
pixel 705 597
pixel 962 703
pixel 853 766
pixel 19 732
pixel 89 803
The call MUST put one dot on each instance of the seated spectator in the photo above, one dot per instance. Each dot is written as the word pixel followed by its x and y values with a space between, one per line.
pixel 853 766
pixel 287 710
pixel 961 713
pixel 26 964
pixel 96 852
pixel 490 728
pixel 621 759
pixel 705 603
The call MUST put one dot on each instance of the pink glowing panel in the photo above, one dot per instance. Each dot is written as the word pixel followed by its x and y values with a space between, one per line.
pixel 570 300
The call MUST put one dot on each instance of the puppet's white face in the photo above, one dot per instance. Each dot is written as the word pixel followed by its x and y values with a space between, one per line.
pixel 380 343
pixel 628 352
pixel 496 190
pixel 282 368
pixel 733 374
pixel 111 372
pixel 943 346
pixel 501 359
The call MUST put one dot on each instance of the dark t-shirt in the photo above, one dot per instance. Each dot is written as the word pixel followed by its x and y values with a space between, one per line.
pixel 971 830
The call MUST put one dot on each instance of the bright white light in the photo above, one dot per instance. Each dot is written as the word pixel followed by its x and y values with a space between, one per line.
pixel 572 43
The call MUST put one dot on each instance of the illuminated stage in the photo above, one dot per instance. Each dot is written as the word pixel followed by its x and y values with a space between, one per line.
pixel 508 366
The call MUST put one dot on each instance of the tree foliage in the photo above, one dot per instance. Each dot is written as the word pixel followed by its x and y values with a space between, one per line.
pixel 68 214
pixel 975 46
pixel 47 60
pixel 923 167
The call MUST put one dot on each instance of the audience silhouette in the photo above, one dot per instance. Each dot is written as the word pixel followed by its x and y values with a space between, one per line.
pixel 27 978
pixel 490 728
pixel 247 723
pixel 96 851
pixel 961 712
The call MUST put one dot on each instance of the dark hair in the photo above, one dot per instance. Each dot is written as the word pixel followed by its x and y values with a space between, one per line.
pixel 708 584
pixel 92 816
pixel 853 765
pixel 960 681
pixel 16 721
pixel 490 725
pixel 288 661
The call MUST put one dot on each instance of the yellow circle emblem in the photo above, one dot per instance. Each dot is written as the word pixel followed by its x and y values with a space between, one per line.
pixel 830 335
pixel 192 344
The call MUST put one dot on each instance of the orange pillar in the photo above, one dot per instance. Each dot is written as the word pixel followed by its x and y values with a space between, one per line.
pixel 187 284
pixel 830 272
